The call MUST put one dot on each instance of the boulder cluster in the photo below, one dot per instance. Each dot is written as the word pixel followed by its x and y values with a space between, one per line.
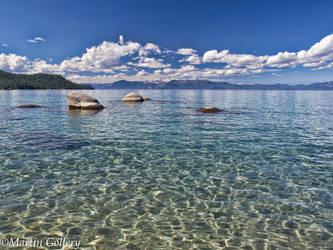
pixel 79 101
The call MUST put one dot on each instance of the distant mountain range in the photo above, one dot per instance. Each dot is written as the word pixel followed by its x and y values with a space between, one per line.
pixel 51 81
pixel 37 81
pixel 205 84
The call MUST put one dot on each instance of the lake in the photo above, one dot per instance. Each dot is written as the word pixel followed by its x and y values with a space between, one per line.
pixel 159 175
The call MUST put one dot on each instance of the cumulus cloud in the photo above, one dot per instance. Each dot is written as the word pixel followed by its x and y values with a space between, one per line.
pixel 282 59
pixel 4 45
pixel 108 55
pixel 192 56
pixel 319 49
pixel 192 59
pixel 16 63
pixel 327 66
pixel 214 56
pixel 186 51
pixel 166 74
pixel 36 40
pixel 122 68
pixel 319 55
pixel 235 60
pixel 112 61
pixel 149 48
pixel 100 58
pixel 150 62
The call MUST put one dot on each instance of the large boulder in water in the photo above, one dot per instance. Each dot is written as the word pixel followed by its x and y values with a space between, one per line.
pixel 209 110
pixel 132 97
pixel 78 100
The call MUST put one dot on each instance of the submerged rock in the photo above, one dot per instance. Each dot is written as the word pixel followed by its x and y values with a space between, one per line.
pixel 81 101
pixel 209 110
pixel 38 140
pixel 132 97
pixel 28 106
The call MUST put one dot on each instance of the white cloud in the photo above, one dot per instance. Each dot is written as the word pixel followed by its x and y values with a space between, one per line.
pixel 4 45
pixel 12 62
pixel 108 55
pixel 100 58
pixel 214 56
pixel 121 39
pixel 168 51
pixel 327 66
pixel 319 49
pixel 122 68
pixel 192 59
pixel 319 55
pixel 186 51
pixel 148 49
pixel 94 79
pixel 282 59
pixel 39 39
pixel 38 66
pixel 234 60
pixel 36 39
pixel 150 62
pixel 16 63
pixel 124 60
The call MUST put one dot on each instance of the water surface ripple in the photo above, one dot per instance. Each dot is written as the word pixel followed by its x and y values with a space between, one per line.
pixel 158 175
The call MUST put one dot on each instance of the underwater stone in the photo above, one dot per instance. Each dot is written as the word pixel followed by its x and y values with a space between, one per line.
pixel 209 110
pixel 29 106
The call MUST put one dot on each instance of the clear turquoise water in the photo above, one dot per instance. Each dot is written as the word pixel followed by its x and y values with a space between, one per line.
pixel 158 175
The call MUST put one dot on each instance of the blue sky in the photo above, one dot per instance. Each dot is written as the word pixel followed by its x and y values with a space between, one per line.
pixel 104 41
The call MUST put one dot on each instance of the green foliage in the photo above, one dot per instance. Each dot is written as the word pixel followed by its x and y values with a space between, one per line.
pixel 37 81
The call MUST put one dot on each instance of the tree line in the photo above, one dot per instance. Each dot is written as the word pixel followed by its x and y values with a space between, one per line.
pixel 37 81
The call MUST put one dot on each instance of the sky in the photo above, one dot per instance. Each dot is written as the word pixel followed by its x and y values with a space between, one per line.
pixel 238 41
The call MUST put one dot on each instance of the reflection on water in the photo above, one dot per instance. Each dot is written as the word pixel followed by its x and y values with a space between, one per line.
pixel 83 111
pixel 158 175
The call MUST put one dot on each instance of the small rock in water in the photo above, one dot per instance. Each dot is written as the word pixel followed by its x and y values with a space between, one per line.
pixel 81 101
pixel 29 106
pixel 146 99
pixel 132 97
pixel 209 110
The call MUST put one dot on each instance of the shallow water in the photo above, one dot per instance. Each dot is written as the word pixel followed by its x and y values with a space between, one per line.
pixel 158 175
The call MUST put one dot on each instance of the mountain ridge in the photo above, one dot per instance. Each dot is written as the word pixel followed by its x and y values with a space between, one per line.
pixel 206 84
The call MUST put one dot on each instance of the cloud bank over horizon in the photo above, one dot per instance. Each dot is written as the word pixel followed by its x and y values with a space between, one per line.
pixel 129 60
